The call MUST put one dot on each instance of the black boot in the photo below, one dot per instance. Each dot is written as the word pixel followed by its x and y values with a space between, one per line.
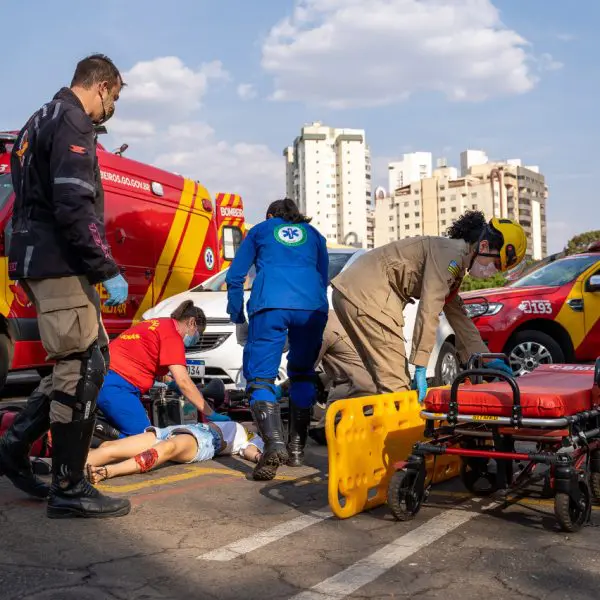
pixel 298 431
pixel 71 494
pixel 29 425
pixel 268 420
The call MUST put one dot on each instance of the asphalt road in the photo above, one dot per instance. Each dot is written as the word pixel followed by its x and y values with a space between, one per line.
pixel 208 531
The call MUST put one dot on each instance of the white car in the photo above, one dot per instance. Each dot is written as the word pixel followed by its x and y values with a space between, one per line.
pixel 218 354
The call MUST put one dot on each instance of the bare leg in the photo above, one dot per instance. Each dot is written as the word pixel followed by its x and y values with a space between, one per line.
pixel 180 448
pixel 121 449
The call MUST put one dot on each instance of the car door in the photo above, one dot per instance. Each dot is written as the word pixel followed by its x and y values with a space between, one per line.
pixel 590 347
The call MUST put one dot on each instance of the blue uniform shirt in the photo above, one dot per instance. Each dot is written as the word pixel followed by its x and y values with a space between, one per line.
pixel 292 267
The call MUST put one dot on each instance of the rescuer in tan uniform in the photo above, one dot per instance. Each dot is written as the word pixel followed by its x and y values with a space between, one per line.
pixel 345 370
pixel 370 295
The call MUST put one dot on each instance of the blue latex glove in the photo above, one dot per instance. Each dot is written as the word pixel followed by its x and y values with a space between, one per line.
pixel 499 365
pixel 419 382
pixel 217 417
pixel 117 289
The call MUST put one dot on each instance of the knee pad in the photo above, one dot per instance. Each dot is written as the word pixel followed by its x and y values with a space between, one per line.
pixel 303 389
pixel 92 371
pixel 262 390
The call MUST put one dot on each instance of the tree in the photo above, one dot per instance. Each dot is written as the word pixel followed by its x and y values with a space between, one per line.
pixel 581 242
pixel 470 283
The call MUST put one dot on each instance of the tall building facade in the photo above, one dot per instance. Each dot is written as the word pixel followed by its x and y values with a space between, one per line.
pixel 413 167
pixel 328 174
pixel 431 205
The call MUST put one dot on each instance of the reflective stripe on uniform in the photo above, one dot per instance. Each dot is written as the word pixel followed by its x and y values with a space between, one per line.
pixel 74 181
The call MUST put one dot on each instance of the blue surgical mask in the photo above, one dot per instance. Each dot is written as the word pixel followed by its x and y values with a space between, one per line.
pixel 191 340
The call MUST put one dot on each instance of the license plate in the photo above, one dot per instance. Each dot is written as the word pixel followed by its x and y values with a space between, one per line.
pixel 195 368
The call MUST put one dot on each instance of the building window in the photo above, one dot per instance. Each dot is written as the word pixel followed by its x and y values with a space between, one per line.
pixel 442 211
pixel 443 199
pixel 474 206
pixel 406 204
pixel 442 223
pixel 453 198
pixel 454 209
pixel 417 214
pixel 417 203
pixel 406 215
pixel 391 217
pixel 407 227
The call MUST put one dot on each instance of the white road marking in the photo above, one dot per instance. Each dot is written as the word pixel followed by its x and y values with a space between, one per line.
pixel 258 540
pixel 371 567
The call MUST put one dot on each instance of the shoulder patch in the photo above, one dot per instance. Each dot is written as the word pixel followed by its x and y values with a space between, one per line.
pixel 290 234
pixel 453 268
pixel 78 149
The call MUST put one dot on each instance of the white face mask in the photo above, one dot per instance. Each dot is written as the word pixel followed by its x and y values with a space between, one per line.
pixel 480 271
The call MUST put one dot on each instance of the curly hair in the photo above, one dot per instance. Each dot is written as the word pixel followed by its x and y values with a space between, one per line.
pixel 186 310
pixel 472 227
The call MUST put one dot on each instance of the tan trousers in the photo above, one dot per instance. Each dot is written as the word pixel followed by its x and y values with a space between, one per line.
pixel 382 350
pixel 69 321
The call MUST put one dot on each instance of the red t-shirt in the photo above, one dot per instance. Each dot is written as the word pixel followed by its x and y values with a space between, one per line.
pixel 145 351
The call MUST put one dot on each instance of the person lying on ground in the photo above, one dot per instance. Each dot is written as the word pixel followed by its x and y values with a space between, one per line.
pixel 187 444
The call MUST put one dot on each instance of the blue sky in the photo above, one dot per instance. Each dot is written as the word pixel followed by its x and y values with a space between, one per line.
pixel 218 89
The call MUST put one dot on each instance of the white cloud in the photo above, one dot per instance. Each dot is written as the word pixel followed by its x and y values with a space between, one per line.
pixel 161 110
pixel 246 91
pixel 168 83
pixel 348 53
pixel 566 37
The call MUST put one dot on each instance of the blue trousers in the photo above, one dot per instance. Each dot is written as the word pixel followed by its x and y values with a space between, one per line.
pixel 121 405
pixel 267 331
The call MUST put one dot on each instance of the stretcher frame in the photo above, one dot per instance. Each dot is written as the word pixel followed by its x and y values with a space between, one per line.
pixel 569 446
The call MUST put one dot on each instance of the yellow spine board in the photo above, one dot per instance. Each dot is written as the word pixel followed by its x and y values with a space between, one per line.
pixel 363 449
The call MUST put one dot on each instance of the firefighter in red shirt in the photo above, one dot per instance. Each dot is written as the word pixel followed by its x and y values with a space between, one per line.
pixel 147 352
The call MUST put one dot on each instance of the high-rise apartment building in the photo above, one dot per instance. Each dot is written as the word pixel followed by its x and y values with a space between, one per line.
pixel 328 174
pixel 430 206
pixel 412 167
pixel 471 158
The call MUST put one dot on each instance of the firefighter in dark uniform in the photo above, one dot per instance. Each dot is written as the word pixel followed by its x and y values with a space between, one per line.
pixel 58 253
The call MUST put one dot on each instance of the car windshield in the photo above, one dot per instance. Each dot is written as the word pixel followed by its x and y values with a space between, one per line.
pixel 558 273
pixel 5 188
pixel 337 260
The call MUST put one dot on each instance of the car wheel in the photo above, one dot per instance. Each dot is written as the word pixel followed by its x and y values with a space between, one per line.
pixel 529 349
pixel 447 366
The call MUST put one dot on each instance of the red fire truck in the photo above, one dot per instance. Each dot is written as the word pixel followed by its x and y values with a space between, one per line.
pixel 165 232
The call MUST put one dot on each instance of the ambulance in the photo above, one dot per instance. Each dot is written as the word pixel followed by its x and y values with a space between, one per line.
pixel 165 231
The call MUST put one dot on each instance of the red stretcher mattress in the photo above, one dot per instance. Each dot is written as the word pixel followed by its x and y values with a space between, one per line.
pixel 549 392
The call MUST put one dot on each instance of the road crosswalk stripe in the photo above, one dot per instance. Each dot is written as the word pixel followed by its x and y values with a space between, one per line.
pixel 263 538
pixel 373 566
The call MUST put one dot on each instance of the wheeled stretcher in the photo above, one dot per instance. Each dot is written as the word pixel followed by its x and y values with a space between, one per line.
pixel 556 407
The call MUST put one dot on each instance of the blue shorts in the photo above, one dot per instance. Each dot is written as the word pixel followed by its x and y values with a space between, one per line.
pixel 121 405
pixel 208 440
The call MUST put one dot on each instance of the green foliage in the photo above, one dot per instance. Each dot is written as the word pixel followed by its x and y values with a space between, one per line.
pixel 581 242
pixel 470 283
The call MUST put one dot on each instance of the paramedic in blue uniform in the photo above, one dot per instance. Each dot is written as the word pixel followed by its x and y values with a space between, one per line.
pixel 288 300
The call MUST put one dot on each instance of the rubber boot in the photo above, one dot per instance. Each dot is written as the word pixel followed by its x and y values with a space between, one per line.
pixel 268 420
pixel 15 445
pixel 71 494
pixel 298 432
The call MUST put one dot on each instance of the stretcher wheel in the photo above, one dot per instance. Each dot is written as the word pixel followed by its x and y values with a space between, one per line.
pixel 477 478
pixel 569 514
pixel 405 495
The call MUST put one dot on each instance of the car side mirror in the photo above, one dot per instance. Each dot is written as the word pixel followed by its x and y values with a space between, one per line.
pixel 594 283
